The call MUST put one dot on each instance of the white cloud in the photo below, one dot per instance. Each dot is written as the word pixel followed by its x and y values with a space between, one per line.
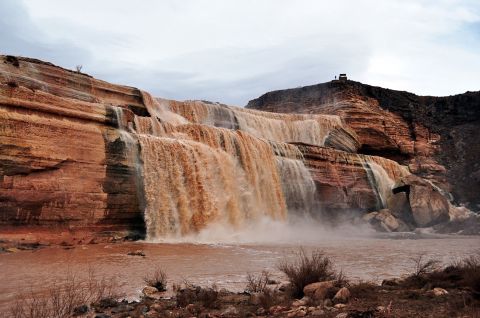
pixel 235 50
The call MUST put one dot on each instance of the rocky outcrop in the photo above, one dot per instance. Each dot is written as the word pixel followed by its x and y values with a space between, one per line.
pixel 80 153
pixel 436 137
pixel 63 161
pixel 348 183
pixel 426 204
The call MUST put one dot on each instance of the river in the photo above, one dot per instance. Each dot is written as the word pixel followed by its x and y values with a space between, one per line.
pixel 226 265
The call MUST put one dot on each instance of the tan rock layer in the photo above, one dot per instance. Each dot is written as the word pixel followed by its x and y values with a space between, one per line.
pixel 342 181
pixel 435 136
pixel 63 161
pixel 66 159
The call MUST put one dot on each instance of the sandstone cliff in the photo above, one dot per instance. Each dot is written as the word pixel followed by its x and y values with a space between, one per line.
pixel 436 137
pixel 62 161
pixel 81 153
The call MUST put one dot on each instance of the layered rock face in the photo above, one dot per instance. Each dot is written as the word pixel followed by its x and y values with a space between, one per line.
pixel 436 137
pixel 77 152
pixel 63 161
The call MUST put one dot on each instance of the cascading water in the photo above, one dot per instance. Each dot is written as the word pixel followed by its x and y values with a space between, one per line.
pixel 309 129
pixel 211 164
pixel 380 182
pixel 297 185
pixel 189 185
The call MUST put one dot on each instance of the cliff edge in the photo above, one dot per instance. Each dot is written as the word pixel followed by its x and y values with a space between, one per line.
pixel 436 137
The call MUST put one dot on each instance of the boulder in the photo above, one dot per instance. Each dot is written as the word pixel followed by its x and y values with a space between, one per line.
pixel 150 291
pixel 384 221
pixel 342 296
pixel 318 312
pixel 261 311
pixel 275 310
pixel 428 205
pixel 437 291
pixel 230 311
pixel 317 291
pixel 301 302
pixel 399 206
pixel 299 312
pixel 458 213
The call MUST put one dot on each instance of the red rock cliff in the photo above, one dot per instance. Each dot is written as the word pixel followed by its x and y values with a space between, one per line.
pixel 73 152
pixel 437 137
pixel 62 158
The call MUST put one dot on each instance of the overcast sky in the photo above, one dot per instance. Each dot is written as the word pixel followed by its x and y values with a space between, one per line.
pixel 235 50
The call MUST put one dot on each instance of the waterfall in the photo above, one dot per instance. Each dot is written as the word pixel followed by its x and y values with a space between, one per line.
pixel 380 182
pixel 297 185
pixel 309 129
pixel 200 167
pixel 189 185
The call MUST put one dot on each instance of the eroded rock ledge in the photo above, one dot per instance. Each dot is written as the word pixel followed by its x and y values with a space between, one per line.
pixel 68 161
pixel 437 137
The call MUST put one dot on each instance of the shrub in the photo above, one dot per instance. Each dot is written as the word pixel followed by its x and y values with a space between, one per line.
pixel 192 294
pixel 423 267
pixel 63 296
pixel 268 298
pixel 257 284
pixel 307 269
pixel 470 268
pixel 363 290
pixel 158 280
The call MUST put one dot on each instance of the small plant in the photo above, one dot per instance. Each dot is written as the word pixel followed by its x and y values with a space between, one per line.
pixel 307 269
pixel 470 268
pixel 158 280
pixel 208 296
pixel 79 68
pixel 191 294
pixel 257 284
pixel 363 289
pixel 423 267
pixel 63 296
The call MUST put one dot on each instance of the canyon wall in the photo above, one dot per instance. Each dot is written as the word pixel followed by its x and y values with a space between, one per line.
pixel 81 153
pixel 436 137
pixel 63 161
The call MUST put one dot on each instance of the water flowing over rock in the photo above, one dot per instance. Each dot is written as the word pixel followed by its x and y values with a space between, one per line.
pixel 308 129
pixel 80 153
pixel 436 137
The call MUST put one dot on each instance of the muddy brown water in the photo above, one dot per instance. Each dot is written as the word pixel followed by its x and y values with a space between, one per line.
pixel 226 265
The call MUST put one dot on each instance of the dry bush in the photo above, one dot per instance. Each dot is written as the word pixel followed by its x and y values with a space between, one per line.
pixel 308 269
pixel 257 284
pixel 363 290
pixel 470 272
pixel 209 296
pixel 63 296
pixel 269 298
pixel 192 294
pixel 158 280
pixel 423 267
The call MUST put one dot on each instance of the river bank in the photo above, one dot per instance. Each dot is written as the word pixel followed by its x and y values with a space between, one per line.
pixel 429 290
pixel 226 265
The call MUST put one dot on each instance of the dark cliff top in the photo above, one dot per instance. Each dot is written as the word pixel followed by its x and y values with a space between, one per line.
pixel 445 110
